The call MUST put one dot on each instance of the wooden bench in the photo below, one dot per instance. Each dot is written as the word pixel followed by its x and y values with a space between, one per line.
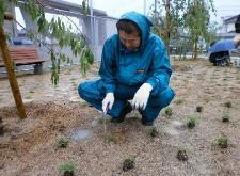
pixel 25 56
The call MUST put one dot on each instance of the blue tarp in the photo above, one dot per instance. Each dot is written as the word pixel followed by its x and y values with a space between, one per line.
pixel 223 45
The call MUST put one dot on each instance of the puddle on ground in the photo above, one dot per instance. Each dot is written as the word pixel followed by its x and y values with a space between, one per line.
pixel 170 131
pixel 178 125
pixel 26 100
pixel 79 134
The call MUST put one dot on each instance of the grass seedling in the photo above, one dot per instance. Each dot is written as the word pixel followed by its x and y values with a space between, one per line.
pixel 153 133
pixel 67 169
pixel 222 142
pixel 225 118
pixel 199 109
pixel 62 143
pixel 191 123
pixel 228 104
pixel 168 111
pixel 128 164
pixel 182 155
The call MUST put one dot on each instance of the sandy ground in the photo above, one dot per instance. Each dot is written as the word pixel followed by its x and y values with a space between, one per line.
pixel 29 147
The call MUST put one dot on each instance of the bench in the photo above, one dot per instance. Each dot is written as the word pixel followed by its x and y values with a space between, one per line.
pixel 25 56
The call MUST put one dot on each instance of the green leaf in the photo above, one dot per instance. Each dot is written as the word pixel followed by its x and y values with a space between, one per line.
pixel 68 60
pixel 89 55
pixel 2 10
pixel 72 43
pixel 61 42
pixel 86 60
pixel 41 24
pixel 62 57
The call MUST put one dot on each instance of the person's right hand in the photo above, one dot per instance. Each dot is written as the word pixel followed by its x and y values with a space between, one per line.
pixel 107 102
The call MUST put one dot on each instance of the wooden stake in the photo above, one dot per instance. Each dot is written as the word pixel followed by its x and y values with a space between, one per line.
pixel 168 24
pixel 11 75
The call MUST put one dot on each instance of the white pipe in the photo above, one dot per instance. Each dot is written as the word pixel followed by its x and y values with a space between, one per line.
pixel 144 7
pixel 92 21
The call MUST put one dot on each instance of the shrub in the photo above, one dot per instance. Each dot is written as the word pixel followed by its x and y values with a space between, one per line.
pixel 67 169
pixel 182 155
pixel 225 118
pixel 62 143
pixel 153 132
pixel 228 104
pixel 222 142
pixel 191 123
pixel 168 111
pixel 128 164
pixel 199 109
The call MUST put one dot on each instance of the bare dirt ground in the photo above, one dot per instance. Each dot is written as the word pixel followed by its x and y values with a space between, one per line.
pixel 29 147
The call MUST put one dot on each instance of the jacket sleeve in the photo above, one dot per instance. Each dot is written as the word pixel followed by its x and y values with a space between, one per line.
pixel 160 69
pixel 107 67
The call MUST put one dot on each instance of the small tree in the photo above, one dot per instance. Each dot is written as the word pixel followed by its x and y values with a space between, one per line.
pixel 186 16
pixel 197 21
pixel 54 28
pixel 167 26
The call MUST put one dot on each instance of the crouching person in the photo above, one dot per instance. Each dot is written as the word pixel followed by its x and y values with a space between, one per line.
pixel 134 66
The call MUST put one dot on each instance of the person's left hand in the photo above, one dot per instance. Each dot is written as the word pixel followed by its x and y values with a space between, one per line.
pixel 140 98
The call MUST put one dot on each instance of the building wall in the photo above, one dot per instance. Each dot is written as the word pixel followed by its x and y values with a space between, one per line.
pixel 229 27
pixel 106 28
pixel 103 28
pixel 227 30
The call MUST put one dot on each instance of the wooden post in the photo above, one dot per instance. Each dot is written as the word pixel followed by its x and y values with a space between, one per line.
pixel 11 75
pixel 168 24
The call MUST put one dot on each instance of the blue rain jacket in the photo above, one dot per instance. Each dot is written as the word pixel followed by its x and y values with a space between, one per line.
pixel 148 64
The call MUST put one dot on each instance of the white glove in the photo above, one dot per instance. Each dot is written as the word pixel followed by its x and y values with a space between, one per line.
pixel 237 39
pixel 140 98
pixel 107 102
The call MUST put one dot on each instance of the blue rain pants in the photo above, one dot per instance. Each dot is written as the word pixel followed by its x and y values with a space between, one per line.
pixel 93 92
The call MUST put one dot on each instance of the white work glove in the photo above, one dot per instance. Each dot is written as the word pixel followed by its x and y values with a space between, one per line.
pixel 140 98
pixel 107 102
pixel 237 39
